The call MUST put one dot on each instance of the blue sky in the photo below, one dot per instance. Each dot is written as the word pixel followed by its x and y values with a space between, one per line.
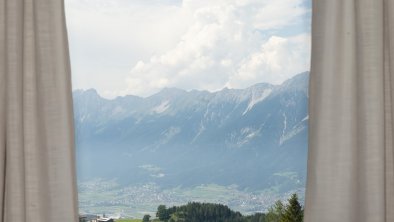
pixel 138 47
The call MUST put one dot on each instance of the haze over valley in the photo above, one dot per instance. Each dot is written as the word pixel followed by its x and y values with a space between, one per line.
pixel 244 148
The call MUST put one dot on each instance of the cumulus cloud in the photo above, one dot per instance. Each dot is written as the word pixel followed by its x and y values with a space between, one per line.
pixel 202 44
pixel 107 38
pixel 225 45
pixel 277 60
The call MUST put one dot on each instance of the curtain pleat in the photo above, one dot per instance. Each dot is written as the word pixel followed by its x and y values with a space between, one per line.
pixel 37 169
pixel 350 164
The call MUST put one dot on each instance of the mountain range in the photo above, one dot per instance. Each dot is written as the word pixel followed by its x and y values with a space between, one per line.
pixel 255 138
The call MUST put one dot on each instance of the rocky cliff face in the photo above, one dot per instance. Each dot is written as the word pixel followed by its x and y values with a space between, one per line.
pixel 255 138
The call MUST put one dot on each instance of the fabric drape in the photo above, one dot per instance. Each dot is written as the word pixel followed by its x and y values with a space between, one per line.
pixel 350 166
pixel 37 172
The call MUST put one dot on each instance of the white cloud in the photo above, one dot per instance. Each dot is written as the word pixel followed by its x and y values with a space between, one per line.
pixel 224 47
pixel 107 38
pixel 193 44
pixel 277 60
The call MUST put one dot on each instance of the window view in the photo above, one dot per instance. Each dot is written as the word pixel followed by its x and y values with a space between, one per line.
pixel 190 110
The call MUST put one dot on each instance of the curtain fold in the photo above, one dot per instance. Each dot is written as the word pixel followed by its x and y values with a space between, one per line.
pixel 351 153
pixel 37 169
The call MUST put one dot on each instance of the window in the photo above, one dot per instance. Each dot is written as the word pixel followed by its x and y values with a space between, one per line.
pixel 189 101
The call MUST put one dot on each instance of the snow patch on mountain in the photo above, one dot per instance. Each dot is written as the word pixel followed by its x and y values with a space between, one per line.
pixel 288 135
pixel 201 129
pixel 256 98
pixel 170 133
pixel 162 107
pixel 284 125
pixel 242 137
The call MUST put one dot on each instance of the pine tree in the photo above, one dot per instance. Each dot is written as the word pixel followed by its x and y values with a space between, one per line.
pixel 162 213
pixel 293 211
pixel 275 213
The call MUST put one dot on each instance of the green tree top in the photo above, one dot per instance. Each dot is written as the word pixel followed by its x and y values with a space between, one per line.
pixel 293 211
pixel 146 218
pixel 162 213
pixel 275 213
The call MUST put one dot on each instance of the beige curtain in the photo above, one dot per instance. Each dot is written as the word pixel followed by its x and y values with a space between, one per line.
pixel 37 175
pixel 351 168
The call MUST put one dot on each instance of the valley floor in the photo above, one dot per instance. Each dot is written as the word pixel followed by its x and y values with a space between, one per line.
pixel 107 197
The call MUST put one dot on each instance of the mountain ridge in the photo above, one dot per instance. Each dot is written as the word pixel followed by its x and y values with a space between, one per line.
pixel 245 137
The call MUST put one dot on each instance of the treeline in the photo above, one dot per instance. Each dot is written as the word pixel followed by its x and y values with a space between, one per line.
pixel 208 212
